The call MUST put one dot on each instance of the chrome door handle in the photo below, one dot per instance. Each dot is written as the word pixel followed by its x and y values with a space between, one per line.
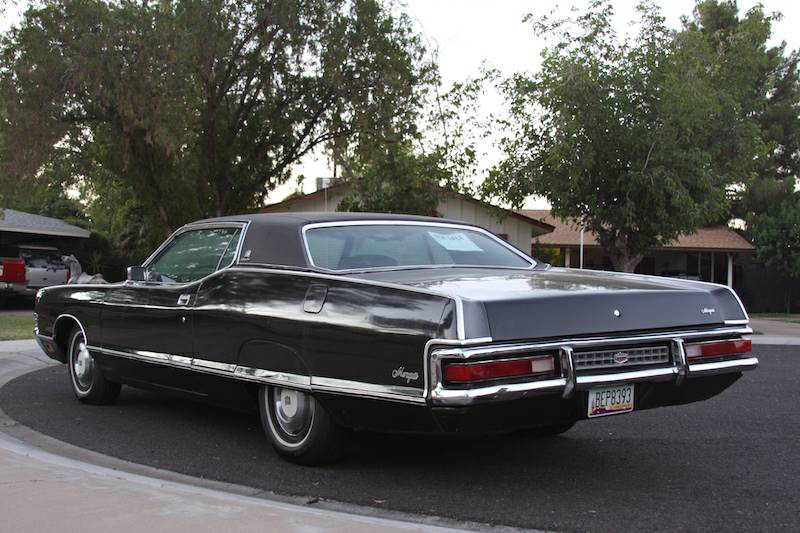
pixel 183 299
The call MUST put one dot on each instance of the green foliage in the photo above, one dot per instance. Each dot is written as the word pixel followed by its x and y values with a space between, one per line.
pixel 763 81
pixel 171 111
pixel 776 234
pixel 408 171
pixel 638 139
pixel 396 181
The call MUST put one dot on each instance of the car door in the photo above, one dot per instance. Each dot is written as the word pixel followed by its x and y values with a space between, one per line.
pixel 152 320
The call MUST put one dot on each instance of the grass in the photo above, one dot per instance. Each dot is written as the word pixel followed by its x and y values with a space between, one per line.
pixel 780 317
pixel 15 327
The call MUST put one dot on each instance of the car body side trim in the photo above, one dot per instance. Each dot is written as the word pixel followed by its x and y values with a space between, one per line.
pixel 271 377
pixel 359 388
pixel 73 317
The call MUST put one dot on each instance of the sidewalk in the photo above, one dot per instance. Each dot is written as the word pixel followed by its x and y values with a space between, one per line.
pixel 774 332
pixel 42 491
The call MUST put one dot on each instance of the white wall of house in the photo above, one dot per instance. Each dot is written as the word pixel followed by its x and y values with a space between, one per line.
pixel 518 231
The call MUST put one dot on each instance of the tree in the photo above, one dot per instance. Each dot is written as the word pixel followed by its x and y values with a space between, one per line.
pixel 199 108
pixel 631 138
pixel 765 83
pixel 776 235
pixel 409 170
pixel 396 180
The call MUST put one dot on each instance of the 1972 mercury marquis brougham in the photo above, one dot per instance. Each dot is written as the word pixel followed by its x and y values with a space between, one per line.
pixel 390 323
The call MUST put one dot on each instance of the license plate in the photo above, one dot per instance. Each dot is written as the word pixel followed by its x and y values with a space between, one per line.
pixel 611 400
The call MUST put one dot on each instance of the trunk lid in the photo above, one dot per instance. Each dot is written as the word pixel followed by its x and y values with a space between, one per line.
pixel 525 304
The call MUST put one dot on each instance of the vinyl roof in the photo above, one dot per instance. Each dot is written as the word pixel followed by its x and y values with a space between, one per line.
pixel 286 228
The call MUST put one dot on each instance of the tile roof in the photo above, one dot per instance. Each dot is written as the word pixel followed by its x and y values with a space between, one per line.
pixel 719 238
pixel 21 222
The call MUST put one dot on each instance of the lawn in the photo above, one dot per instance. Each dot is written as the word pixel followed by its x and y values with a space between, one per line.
pixel 780 317
pixel 15 327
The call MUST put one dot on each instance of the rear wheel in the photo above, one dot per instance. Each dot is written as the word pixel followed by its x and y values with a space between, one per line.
pixel 299 427
pixel 552 430
pixel 88 382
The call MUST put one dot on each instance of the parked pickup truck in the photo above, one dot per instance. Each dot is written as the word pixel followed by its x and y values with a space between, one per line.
pixel 12 276
pixel 32 267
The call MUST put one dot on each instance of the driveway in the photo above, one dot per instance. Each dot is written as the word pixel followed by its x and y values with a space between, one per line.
pixel 48 485
pixel 726 464
pixel 774 332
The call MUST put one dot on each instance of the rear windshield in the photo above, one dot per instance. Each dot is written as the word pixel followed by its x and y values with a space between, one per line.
pixel 386 246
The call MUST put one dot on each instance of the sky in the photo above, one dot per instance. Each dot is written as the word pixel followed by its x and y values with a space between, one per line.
pixel 469 33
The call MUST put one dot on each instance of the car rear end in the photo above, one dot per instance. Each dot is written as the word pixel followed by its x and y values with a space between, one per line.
pixel 518 385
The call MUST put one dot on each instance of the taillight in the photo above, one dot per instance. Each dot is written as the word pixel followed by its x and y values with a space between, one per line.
pixel 719 348
pixel 510 368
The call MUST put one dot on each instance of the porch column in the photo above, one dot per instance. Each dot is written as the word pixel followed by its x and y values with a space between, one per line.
pixel 567 256
pixel 712 266
pixel 730 269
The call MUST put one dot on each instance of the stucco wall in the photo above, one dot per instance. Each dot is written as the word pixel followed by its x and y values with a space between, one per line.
pixel 519 232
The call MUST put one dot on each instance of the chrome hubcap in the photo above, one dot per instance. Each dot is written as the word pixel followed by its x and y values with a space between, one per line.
pixel 293 410
pixel 83 365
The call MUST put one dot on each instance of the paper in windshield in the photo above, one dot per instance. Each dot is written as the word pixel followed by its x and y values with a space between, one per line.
pixel 455 242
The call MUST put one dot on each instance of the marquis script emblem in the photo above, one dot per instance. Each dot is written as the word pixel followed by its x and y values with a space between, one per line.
pixel 408 376
pixel 621 358
pixel 708 310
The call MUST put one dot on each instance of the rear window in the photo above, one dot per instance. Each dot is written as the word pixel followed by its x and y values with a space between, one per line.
pixel 385 246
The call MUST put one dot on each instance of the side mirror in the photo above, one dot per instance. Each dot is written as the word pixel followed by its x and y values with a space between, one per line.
pixel 136 273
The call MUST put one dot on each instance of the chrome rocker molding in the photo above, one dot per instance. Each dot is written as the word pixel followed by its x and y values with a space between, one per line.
pixel 568 382
pixel 270 377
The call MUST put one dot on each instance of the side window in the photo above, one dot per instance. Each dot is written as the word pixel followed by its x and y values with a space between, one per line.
pixel 192 255
pixel 230 251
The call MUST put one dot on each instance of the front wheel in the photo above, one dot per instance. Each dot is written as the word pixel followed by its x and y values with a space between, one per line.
pixel 88 382
pixel 299 427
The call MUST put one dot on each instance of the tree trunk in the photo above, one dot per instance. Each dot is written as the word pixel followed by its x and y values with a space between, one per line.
pixel 624 261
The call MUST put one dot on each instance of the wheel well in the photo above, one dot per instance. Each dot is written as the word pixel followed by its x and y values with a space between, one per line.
pixel 62 332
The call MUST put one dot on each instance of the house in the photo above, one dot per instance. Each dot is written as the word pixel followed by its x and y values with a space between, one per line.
pixel 18 227
pixel 517 228
pixel 710 254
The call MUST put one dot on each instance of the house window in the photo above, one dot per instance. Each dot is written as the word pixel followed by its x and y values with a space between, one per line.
pixel 503 236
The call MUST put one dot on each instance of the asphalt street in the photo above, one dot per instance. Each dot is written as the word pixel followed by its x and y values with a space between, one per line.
pixel 731 463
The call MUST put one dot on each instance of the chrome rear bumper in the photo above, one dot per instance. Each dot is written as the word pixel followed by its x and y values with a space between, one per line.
pixel 568 382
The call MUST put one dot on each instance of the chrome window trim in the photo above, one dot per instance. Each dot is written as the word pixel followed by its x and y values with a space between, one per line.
pixel 243 226
pixel 448 225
